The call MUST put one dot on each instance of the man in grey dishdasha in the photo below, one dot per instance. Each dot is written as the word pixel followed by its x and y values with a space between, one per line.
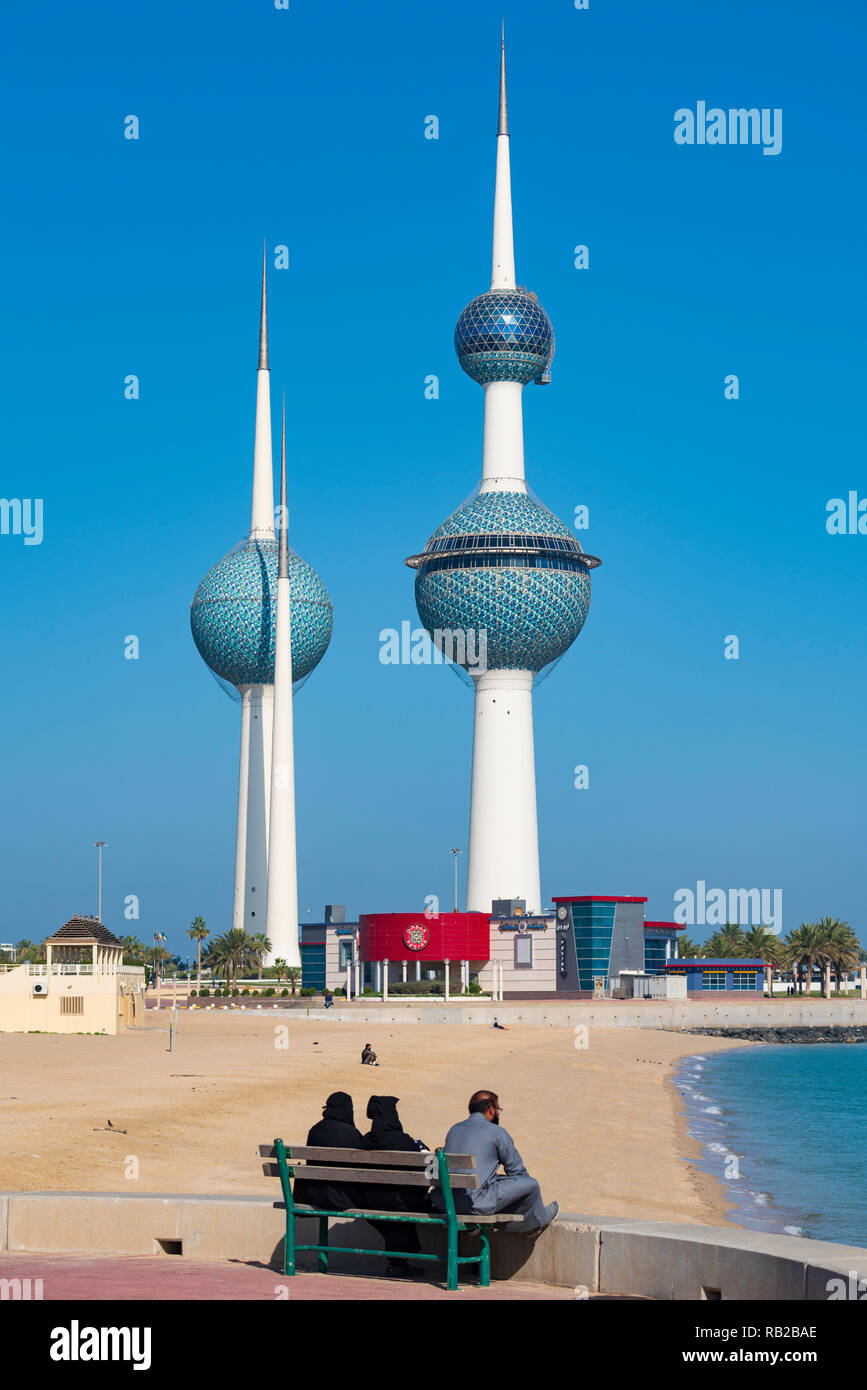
pixel 513 1190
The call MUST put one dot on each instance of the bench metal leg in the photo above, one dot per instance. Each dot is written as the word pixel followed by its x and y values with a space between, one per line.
pixel 323 1240
pixel 289 1245
pixel 485 1261
pixel 452 1257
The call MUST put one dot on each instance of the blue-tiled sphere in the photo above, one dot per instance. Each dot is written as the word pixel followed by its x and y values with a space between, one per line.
pixel 504 335
pixel 531 606
pixel 234 615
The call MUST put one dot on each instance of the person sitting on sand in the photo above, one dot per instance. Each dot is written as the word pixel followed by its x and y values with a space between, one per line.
pixel 497 1024
pixel 368 1057
pixel 336 1130
pixel 387 1132
pixel 513 1190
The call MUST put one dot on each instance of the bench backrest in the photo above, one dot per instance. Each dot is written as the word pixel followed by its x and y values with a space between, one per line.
pixel 395 1167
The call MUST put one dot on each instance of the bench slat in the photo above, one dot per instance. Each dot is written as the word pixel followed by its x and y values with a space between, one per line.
pixel 361 1214
pixel 393 1157
pixel 394 1177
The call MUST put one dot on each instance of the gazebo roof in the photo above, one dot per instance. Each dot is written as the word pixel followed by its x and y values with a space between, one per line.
pixel 85 929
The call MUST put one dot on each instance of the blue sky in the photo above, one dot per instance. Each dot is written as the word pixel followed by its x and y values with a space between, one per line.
pixel 307 126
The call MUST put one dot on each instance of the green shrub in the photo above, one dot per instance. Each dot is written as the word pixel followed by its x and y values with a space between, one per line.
pixel 270 990
pixel 284 993
pixel 416 987
pixel 370 993
pixel 192 994
pixel 245 992
pixel 204 992
pixel 475 987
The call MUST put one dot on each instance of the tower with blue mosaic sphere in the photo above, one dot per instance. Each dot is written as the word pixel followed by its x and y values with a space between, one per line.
pixel 503 586
pixel 261 619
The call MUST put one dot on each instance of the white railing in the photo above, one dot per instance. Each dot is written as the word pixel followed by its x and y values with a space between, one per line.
pixel 85 968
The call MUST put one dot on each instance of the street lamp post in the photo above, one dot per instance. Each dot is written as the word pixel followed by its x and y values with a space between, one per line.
pixel 100 846
pixel 455 853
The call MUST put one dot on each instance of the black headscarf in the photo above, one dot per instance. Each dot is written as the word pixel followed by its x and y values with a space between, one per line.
pixel 386 1130
pixel 336 1130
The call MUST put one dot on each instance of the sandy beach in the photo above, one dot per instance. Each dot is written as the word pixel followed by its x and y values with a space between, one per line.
pixel 599 1126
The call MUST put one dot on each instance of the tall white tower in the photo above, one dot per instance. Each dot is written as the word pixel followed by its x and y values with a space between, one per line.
pixel 503 571
pixel 282 915
pixel 234 621
pixel 257 698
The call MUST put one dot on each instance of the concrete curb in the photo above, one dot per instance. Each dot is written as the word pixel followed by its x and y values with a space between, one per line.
pixel 654 1259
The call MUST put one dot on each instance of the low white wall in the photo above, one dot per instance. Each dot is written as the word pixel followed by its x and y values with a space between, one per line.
pixel 645 1013
pixel 591 1254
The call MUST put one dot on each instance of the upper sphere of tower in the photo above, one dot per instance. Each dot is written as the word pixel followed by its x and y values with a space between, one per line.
pixel 504 335
pixel 234 615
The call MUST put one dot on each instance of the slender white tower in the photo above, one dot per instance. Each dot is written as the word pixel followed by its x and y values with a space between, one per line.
pixel 233 622
pixel 503 571
pixel 282 914
pixel 257 700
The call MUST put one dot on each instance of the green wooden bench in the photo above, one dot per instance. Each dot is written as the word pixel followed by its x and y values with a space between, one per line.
pixel 449 1172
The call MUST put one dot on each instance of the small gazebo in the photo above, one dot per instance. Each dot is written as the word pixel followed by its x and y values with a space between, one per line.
pixel 85 941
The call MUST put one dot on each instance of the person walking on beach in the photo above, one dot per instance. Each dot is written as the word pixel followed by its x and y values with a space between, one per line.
pixel 513 1190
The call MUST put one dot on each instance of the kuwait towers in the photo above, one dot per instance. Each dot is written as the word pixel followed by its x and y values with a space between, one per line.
pixel 504 566
pixel 258 609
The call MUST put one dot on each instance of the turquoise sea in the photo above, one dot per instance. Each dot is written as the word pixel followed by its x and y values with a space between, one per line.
pixel 785 1128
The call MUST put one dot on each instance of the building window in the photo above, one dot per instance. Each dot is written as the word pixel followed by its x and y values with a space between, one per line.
pixel 713 979
pixel 71 1004
pixel 744 979
pixel 345 954
pixel 523 953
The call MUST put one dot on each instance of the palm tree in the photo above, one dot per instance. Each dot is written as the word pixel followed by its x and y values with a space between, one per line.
pixel 293 975
pixel 727 942
pixel 687 949
pixel 233 951
pixel 133 950
pixel 197 932
pixel 156 954
pixel 843 950
pixel 264 949
pixel 281 967
pixel 805 945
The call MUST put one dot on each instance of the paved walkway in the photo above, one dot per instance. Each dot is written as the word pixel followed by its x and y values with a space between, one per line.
pixel 167 1277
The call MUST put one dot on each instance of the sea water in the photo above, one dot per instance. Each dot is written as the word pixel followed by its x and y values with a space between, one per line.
pixel 785 1128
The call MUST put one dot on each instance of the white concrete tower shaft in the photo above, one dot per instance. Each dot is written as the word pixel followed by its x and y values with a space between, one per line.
pixel 282 915
pixel 503 858
pixel 254 778
pixel 503 451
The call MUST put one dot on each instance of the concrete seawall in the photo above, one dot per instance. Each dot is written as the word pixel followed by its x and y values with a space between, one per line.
pixel 652 1013
pixel 591 1254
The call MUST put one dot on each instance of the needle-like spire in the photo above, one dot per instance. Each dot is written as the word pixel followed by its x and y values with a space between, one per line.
pixel 263 318
pixel 503 126
pixel 503 263
pixel 262 521
pixel 283 557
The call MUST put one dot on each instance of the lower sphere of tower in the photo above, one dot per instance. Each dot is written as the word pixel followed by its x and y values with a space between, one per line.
pixel 234 615
pixel 506 567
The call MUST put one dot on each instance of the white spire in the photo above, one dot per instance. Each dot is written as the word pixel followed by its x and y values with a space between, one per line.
pixel 503 263
pixel 281 923
pixel 262 522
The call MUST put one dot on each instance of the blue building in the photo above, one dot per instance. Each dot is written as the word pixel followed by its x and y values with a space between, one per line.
pixel 721 977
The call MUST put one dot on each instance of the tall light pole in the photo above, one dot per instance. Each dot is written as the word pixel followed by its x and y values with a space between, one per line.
pixel 455 853
pixel 100 846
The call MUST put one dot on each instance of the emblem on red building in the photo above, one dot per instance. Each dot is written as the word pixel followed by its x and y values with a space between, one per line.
pixel 416 937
